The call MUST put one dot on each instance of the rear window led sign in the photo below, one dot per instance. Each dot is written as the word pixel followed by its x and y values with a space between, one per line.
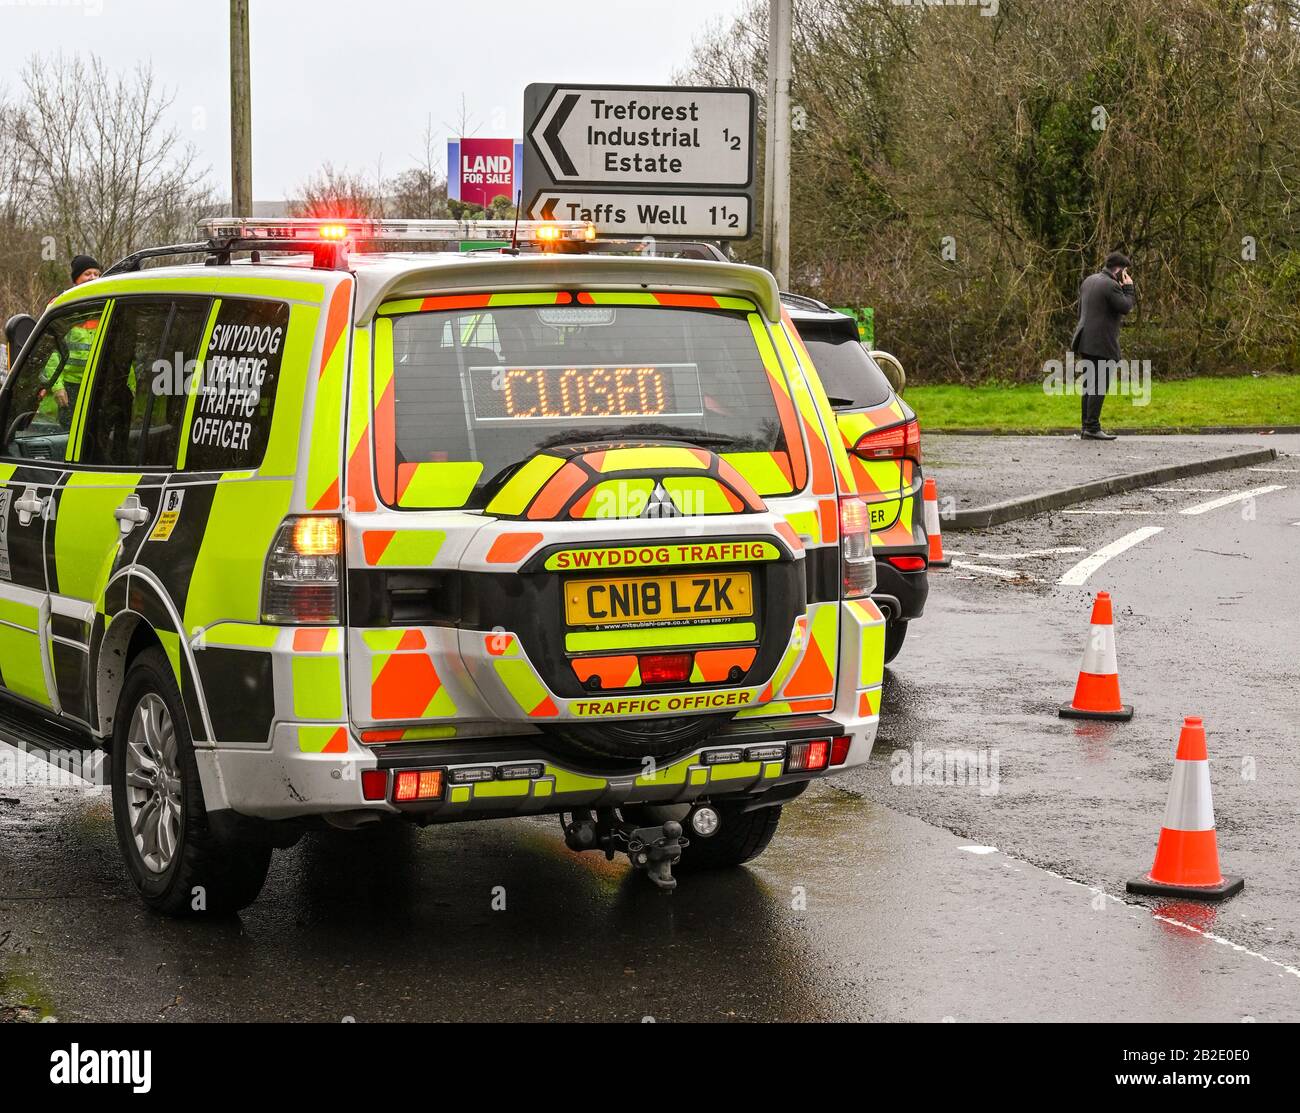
pixel 574 392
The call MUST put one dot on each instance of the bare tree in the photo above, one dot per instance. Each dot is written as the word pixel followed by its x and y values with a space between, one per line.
pixel 338 192
pixel 90 165
pixel 105 174
pixel 420 192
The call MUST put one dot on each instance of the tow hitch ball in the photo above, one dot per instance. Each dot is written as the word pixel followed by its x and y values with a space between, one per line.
pixel 656 850
pixel 653 849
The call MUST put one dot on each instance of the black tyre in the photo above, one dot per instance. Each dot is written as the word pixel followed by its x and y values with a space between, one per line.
pixel 741 837
pixel 895 632
pixel 179 866
pixel 628 742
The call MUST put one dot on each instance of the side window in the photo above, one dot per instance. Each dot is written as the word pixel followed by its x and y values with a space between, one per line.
pixel 36 406
pixel 241 370
pixel 137 407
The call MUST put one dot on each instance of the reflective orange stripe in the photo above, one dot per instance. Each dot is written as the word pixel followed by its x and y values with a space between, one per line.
pixel 374 542
pixel 336 322
pixel 510 548
pixel 614 672
pixel 558 490
pixel 309 641
pixel 688 301
pixel 715 665
pixel 404 688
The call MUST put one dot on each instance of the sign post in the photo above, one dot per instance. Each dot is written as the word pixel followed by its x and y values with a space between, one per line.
pixel 664 161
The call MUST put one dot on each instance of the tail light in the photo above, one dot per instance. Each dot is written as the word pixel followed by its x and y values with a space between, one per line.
pixel 898 442
pixel 374 784
pixel 908 563
pixel 417 784
pixel 840 749
pixel 302 584
pixel 857 564
pixel 808 757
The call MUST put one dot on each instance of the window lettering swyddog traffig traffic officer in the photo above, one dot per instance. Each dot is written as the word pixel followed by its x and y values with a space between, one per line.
pixel 374 594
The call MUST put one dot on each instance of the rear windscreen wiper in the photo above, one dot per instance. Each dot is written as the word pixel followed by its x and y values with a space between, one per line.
pixel 624 433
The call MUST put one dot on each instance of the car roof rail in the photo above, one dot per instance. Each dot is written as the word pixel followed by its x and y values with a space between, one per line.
pixel 330 240
pixel 326 254
pixel 802 301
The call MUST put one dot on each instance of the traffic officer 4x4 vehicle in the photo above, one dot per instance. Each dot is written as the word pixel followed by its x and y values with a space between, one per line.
pixel 356 537
pixel 882 437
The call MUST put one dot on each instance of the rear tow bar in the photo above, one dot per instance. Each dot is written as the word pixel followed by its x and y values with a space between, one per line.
pixel 652 849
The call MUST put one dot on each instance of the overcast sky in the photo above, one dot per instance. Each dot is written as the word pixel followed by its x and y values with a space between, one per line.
pixel 351 81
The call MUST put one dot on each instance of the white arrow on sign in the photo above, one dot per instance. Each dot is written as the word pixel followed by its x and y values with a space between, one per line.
pixel 667 137
pixel 705 216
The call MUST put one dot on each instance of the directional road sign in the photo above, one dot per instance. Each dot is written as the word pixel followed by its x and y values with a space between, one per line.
pixel 644 160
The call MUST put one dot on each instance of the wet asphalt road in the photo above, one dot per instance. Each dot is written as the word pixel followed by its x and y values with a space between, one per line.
pixel 857 912
pixel 1207 616
pixel 876 901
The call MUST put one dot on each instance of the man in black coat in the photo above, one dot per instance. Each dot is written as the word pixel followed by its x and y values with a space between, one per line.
pixel 1104 299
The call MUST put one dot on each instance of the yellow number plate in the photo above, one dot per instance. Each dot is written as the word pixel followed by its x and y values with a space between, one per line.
pixel 658 599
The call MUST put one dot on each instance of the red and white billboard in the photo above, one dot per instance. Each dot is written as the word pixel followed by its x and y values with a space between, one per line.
pixel 479 170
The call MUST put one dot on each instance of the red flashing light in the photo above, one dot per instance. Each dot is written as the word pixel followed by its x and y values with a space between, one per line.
pixel 333 231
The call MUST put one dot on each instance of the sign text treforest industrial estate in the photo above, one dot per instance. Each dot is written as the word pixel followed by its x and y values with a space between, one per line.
pixel 650 160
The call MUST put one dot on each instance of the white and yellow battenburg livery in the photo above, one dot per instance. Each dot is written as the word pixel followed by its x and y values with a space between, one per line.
pixel 443 535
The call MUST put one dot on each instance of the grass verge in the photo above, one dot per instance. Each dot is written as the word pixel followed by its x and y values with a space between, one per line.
pixel 1182 404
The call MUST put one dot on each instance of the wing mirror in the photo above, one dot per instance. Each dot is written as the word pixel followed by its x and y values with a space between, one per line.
pixel 17 329
pixel 893 370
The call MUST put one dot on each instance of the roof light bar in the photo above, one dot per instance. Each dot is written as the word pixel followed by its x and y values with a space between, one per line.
pixel 293 229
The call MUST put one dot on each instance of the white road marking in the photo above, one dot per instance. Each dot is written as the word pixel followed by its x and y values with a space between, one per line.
pixel 1239 496
pixel 1001 573
pixel 1135 908
pixel 1030 554
pixel 1186 490
pixel 1279 471
pixel 1136 911
pixel 1149 513
pixel 1078 575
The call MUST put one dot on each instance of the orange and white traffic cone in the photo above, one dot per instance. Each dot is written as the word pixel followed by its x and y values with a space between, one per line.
pixel 1096 695
pixel 1187 855
pixel 930 502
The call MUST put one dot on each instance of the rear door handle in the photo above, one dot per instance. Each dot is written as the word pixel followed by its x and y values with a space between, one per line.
pixel 131 514
pixel 28 506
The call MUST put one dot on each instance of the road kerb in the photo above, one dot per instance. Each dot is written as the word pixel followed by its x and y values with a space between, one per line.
pixel 981 517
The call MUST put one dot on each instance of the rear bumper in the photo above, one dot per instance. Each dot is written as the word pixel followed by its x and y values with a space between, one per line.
pixel 284 783
pixel 908 589
pixel 318 768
